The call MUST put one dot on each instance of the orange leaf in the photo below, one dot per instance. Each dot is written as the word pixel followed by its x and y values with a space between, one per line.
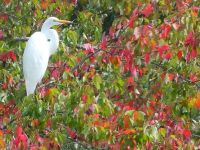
pixel 44 4
pixel 6 2
pixel 35 122
pixel 135 115
pixel 2 144
pixel 97 123
pixel 115 60
pixel 129 131
pixel 126 121
pixel 197 104
pixel 1 133
pixel 102 124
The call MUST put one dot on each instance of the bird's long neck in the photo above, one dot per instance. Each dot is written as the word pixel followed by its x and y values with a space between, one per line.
pixel 51 35
pixel 46 26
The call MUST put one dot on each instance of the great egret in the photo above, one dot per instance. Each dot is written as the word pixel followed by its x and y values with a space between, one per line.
pixel 40 46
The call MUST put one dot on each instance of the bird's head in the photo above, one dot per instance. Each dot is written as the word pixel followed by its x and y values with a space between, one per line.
pixel 53 21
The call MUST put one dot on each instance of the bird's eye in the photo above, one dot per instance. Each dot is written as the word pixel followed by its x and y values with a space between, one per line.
pixel 48 40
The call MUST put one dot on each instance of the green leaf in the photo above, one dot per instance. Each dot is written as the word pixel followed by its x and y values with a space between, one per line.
pixel 72 37
pixel 97 80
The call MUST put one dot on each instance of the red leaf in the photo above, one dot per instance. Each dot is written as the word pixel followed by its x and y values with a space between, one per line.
pixel 135 13
pixel 43 91
pixel 193 77
pixel 55 73
pixel 193 53
pixel 48 123
pixel 12 55
pixel 171 76
pixel 88 48
pixel 111 33
pixel 131 22
pixel 8 55
pixel 34 147
pixel 197 104
pixel 57 10
pixel 148 145
pixel 71 133
pixel 179 54
pixel 189 40
pixel 1 35
pixel 168 55
pixel 134 71
pixel 75 73
pixel 103 42
pixel 24 140
pixel 147 58
pixel 165 31
pixel 84 98
pixel 74 2
pixel 20 138
pixel 162 48
pixel 188 57
pixel 19 131
pixel 147 10
pixel 39 139
pixel 114 146
pixel 187 133
pixel 130 80
pixel 5 86
pixel 195 10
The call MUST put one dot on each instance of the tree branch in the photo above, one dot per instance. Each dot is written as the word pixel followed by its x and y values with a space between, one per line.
pixel 84 59
pixel 180 76
pixel 18 39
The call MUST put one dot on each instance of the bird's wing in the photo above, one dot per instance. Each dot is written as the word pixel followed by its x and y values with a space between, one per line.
pixel 35 60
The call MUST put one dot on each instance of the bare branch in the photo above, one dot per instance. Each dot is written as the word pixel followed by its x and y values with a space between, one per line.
pixel 18 39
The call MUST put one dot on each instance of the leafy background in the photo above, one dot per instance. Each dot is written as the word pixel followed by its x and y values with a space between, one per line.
pixel 125 76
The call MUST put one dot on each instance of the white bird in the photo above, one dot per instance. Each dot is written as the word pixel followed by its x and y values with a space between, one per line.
pixel 40 46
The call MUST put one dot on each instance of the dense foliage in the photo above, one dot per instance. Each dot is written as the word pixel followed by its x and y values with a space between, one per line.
pixel 126 75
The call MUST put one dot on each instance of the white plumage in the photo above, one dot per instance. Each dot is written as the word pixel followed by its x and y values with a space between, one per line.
pixel 37 52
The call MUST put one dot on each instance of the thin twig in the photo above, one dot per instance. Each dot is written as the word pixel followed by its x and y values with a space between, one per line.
pixel 84 59
pixel 46 84
pixel 18 39
pixel 180 76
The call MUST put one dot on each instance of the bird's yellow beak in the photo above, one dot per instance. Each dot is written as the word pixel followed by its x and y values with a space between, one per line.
pixel 64 21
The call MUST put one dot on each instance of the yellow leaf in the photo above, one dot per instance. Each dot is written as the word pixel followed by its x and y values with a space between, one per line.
pixel 2 144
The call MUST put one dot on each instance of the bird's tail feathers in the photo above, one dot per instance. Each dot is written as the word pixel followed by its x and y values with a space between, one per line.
pixel 30 87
